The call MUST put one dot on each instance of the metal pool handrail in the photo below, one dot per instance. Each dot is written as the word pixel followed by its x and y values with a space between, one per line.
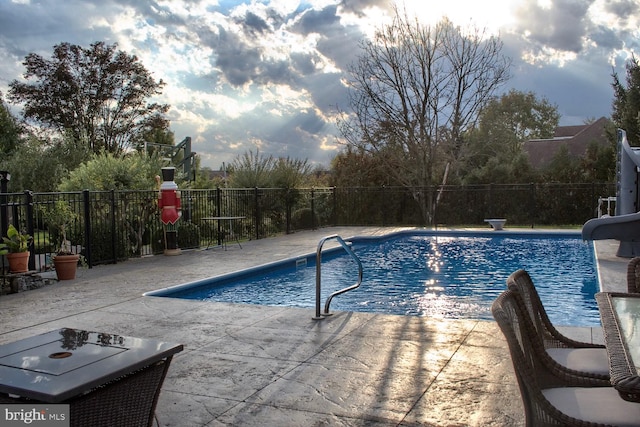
pixel 320 316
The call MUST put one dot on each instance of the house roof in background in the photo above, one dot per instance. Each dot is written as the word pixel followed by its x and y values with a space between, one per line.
pixel 575 138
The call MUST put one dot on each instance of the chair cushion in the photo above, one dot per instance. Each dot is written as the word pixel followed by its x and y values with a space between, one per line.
pixel 593 360
pixel 595 404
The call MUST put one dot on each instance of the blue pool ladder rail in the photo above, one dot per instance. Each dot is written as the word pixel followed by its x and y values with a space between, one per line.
pixel 347 248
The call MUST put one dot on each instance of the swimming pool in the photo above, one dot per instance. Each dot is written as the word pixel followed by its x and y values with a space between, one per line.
pixel 437 274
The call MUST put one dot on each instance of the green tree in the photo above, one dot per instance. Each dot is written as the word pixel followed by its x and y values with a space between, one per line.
pixel 32 167
pixel 504 125
pixel 136 171
pixel 290 173
pixel 99 94
pixel 626 102
pixel 204 179
pixel 563 167
pixel 496 171
pixel 69 151
pixel 10 130
pixel 599 163
pixel 108 172
pixel 40 164
pixel 414 92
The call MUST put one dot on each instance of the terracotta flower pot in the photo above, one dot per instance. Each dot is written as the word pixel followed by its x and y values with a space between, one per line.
pixel 18 262
pixel 66 266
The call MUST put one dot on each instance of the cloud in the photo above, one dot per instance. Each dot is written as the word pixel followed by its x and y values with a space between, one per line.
pixel 255 24
pixel 560 25
pixel 606 38
pixel 359 6
pixel 317 21
pixel 337 42
pixel 238 61
pixel 624 10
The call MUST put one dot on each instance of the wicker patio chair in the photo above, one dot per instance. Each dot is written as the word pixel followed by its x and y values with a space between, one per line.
pixel 551 397
pixel 633 275
pixel 129 401
pixel 590 359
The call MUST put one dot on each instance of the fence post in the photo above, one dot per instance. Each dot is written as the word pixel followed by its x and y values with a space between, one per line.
pixel 434 217
pixel 532 186
pixel 114 252
pixel 287 211
pixel 28 195
pixel 219 214
pixel 313 209
pixel 4 212
pixel 87 227
pixel 593 199
pixel 218 202
pixel 334 215
pixel 490 206
pixel 256 211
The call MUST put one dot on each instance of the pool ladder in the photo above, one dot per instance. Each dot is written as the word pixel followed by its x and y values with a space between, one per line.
pixel 320 316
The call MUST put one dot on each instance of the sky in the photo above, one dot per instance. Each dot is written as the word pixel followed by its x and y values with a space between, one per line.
pixel 268 75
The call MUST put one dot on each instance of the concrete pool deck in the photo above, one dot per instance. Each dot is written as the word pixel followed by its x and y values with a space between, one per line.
pixel 248 365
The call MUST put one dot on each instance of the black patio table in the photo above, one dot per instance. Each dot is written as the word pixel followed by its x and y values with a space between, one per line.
pixel 104 378
pixel 620 316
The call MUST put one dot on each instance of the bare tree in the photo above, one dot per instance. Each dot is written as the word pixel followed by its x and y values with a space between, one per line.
pixel 414 90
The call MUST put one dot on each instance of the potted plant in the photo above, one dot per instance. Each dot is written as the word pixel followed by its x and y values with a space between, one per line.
pixel 16 247
pixel 58 217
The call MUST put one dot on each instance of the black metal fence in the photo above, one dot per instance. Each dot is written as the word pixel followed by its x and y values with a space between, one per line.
pixel 552 204
pixel 111 226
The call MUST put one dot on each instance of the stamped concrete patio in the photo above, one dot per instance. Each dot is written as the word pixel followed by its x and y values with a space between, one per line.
pixel 249 365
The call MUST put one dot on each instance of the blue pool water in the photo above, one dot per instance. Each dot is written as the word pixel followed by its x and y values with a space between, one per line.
pixel 424 274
